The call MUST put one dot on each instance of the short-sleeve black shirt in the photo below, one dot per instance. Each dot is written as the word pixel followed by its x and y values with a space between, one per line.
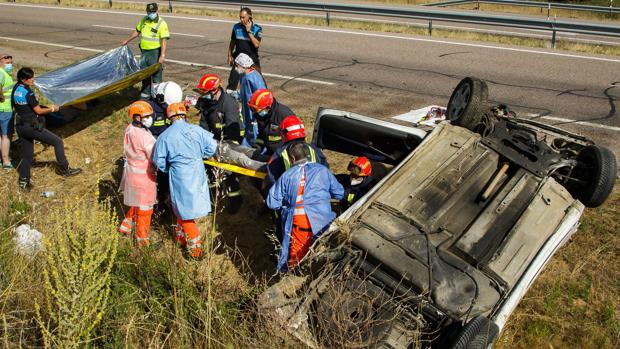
pixel 243 44
pixel 24 102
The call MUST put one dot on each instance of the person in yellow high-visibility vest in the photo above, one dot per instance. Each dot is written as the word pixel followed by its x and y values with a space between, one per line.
pixel 154 34
pixel 6 109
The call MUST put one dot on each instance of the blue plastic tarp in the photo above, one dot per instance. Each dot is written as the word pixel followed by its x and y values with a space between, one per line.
pixel 93 77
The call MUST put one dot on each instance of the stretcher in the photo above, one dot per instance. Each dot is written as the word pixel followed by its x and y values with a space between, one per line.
pixel 236 169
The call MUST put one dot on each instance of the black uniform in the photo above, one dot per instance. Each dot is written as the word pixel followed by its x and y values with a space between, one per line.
pixel 160 124
pixel 160 121
pixel 352 193
pixel 30 127
pixel 221 117
pixel 269 126
pixel 243 44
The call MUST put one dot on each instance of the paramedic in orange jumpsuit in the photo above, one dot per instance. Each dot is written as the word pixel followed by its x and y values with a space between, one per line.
pixel 139 176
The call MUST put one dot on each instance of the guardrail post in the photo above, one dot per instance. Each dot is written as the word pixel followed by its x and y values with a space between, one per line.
pixel 327 17
pixel 548 10
pixel 553 40
pixel 170 6
pixel 430 28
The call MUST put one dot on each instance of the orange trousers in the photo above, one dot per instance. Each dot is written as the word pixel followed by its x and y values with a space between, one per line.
pixel 188 235
pixel 139 220
pixel 301 239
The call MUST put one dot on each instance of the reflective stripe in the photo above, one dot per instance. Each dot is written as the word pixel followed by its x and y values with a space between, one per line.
pixel 219 125
pixel 135 170
pixel 150 39
pixel 299 211
pixel 294 127
pixel 159 123
pixel 194 243
pixel 350 197
pixel 287 161
pixel 274 138
pixel 260 96
pixel 312 154
pixel 234 193
pixel 259 141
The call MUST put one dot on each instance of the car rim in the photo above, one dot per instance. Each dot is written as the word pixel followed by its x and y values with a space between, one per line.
pixel 461 98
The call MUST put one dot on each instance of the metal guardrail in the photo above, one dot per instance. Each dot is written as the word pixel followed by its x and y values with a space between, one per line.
pixel 430 15
pixel 548 5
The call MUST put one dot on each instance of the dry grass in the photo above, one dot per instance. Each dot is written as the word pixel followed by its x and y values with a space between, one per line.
pixel 576 301
pixel 566 45
pixel 536 11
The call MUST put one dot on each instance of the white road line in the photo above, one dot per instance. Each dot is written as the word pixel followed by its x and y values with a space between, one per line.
pixel 218 67
pixel 582 123
pixel 511 49
pixel 126 28
pixel 571 121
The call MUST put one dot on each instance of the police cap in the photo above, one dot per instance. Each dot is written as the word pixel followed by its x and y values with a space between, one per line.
pixel 152 7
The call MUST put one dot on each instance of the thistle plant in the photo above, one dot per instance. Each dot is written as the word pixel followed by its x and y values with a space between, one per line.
pixel 80 252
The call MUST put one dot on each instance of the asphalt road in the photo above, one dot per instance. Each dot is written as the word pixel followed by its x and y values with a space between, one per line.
pixel 369 72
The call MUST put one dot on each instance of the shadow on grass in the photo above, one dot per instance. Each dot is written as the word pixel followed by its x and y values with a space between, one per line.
pixel 97 110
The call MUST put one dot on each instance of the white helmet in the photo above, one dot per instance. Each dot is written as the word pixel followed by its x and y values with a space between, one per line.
pixel 169 90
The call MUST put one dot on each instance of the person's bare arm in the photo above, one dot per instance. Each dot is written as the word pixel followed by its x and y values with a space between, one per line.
pixel 162 54
pixel 133 35
pixel 231 47
pixel 253 39
pixel 45 110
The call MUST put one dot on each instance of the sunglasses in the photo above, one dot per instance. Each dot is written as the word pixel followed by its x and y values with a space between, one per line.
pixel 6 57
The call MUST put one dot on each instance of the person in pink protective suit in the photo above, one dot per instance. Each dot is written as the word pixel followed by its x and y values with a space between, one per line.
pixel 139 178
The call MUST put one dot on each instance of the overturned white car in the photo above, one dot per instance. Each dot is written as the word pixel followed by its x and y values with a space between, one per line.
pixel 440 252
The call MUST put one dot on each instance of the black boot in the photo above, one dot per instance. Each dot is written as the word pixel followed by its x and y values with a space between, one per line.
pixel 68 171
pixel 24 184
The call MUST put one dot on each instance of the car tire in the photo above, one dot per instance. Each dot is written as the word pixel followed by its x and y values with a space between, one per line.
pixel 480 333
pixel 468 103
pixel 596 175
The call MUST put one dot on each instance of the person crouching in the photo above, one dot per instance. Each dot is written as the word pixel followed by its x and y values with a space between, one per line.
pixel 180 151
pixel 139 176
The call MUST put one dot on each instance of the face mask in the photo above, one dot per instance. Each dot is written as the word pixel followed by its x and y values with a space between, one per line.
pixel 262 113
pixel 152 16
pixel 240 71
pixel 147 122
pixel 8 67
pixel 356 181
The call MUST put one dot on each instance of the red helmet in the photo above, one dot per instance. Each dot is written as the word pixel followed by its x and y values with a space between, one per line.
pixel 360 167
pixel 261 99
pixel 292 128
pixel 209 82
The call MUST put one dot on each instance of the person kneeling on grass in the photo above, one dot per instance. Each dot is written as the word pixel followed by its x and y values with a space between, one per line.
pixel 180 150
pixel 303 195
pixel 139 179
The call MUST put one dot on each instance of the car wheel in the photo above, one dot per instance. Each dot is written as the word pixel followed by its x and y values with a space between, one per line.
pixel 479 333
pixel 468 102
pixel 595 175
